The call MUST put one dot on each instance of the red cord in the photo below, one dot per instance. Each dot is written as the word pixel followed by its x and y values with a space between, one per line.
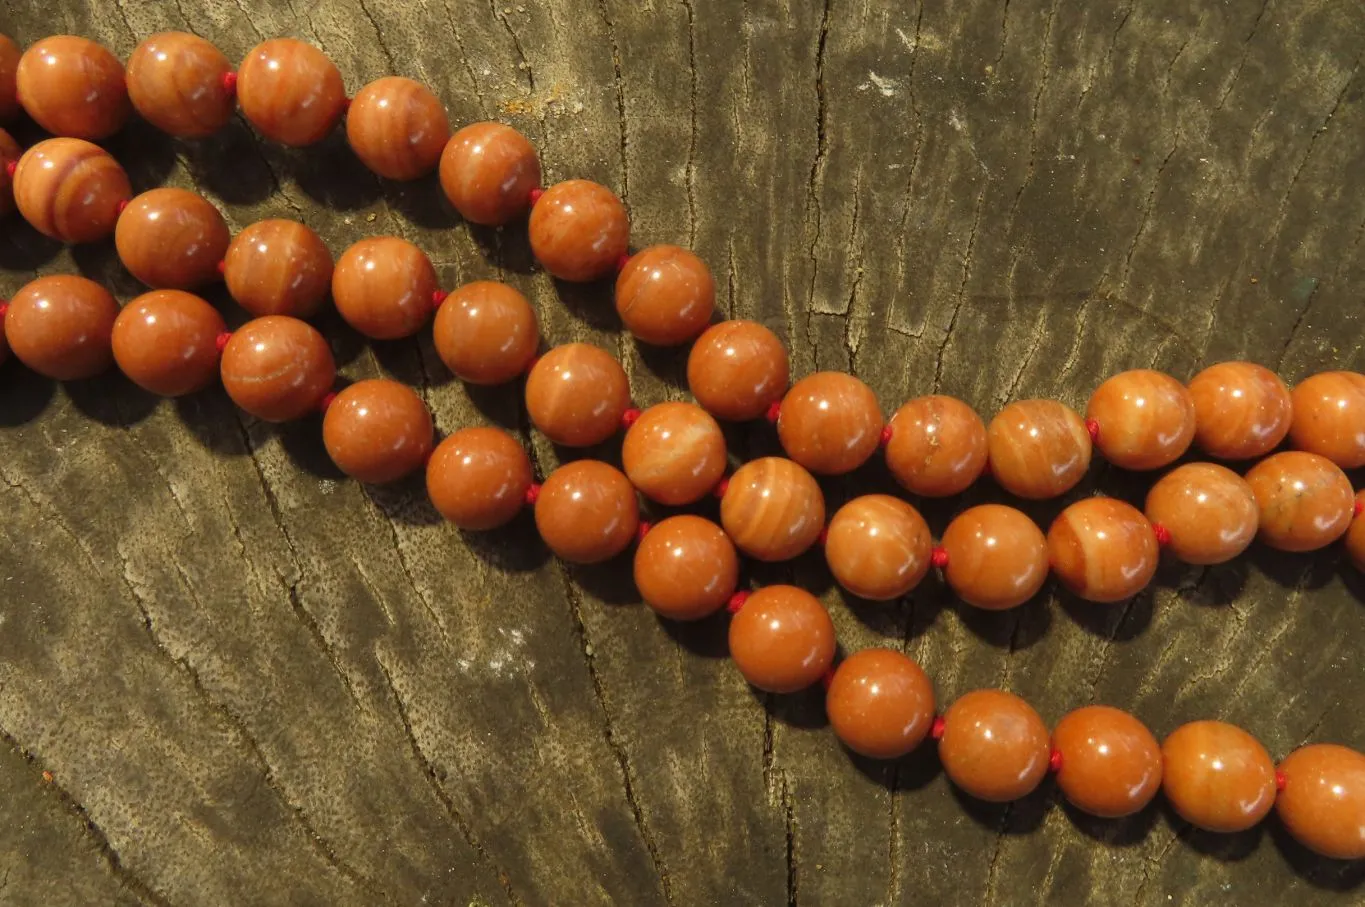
pixel 230 83
pixel 326 402
pixel 122 203
pixel 886 435
pixel 642 530
pixel 1359 508
pixel 936 729
pixel 622 262
pixel 4 307
pixel 774 412
pixel 532 494
pixel 629 417
pixel 438 297
pixel 721 487
pixel 737 601
pixel 10 167
pixel 1054 760
pixel 1093 427
pixel 1280 781
pixel 536 193
pixel 1163 535
pixel 221 341
pixel 222 267
pixel 939 557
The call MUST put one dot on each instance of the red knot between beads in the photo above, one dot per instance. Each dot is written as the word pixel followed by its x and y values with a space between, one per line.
pixel 221 341
pixel 1279 780
pixel 721 487
pixel 536 193
pixel 936 729
pixel 939 557
pixel 1054 761
pixel 1163 535
pixel 774 412
pixel 886 435
pixel 222 266
pixel 532 494
pixel 1092 427
pixel 630 417
pixel 438 297
pixel 1359 507
pixel 736 602
pixel 230 83
pixel 326 402
pixel 643 530
pixel 10 167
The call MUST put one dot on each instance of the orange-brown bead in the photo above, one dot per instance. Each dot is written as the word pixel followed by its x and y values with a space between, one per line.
pixel 165 341
pixel 665 295
pixel 397 128
pixel 1110 762
pixel 737 369
pixel 9 76
pixel 576 394
pixel 878 547
pixel 994 746
pixel 485 332
pixel 290 91
pixel 1209 511
pixel 1322 803
pixel 177 82
pixel 1355 536
pixel 579 230
pixel 782 639
pixel 1216 776
pixel 70 190
pixel 880 703
pixel 937 447
pixel 74 87
pixel 477 478
pixel 1305 500
pixel 587 512
pixel 488 171
pixel 10 152
pixel 1103 549
pixel 997 557
pixel 1242 410
pixel 278 267
pixel 1038 448
pixel 377 431
pixel 384 287
pixel 674 453
pixel 171 239
pixel 277 368
pixel 772 509
pixel 686 568
pixel 61 326
pixel 1329 417
pixel 830 423
pixel 1145 419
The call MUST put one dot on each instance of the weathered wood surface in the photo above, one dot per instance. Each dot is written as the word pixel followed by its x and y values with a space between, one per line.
pixel 254 683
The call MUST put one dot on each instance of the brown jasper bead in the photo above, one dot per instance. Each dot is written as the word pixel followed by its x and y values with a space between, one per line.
pixel 1355 536
pixel 277 368
pixel 377 431
pixel 171 239
pixel 176 83
pixel 1103 549
pixel 1208 510
pixel 997 557
pixel 397 128
pixel 485 332
pixel 1038 448
pixel 384 287
pixel 937 446
pixel 994 746
pixel 74 87
pixel 830 423
pixel 665 295
pixel 880 703
pixel 61 326
pixel 674 453
pixel 165 341
pixel 488 171
pixel 878 547
pixel 70 190
pixel 1217 776
pixel 772 509
pixel 1145 418
pixel 587 512
pixel 579 230
pixel 1110 762
pixel 1304 499
pixel 1242 410
pixel 782 640
pixel 278 267
pixel 576 394
pixel 10 152
pixel 737 369
pixel 686 568
pixel 1323 801
pixel 290 91
pixel 1329 417
pixel 9 75
pixel 477 478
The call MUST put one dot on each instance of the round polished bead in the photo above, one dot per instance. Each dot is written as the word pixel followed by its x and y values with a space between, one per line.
pixel 488 171
pixel 1110 762
pixel 830 423
pixel 737 369
pixel 773 509
pixel 61 326
pixel 878 547
pixel 1208 510
pixel 1217 776
pixel 165 341
pixel 377 431
pixel 485 332
pixel 9 75
pixel 74 87
pixel 782 639
pixel 1145 419
pixel 937 446
pixel 1322 803
pixel 686 568
pixel 177 82
pixel 997 557
pixel 1242 410
pixel 579 230
pixel 384 287
pixel 290 91
pixel 665 295
pixel 171 239
pixel 1305 500
pixel 70 190
pixel 994 746
pixel 278 267
pixel 10 152
pixel 397 128
pixel 1329 417
pixel 576 394
pixel 277 368
pixel 587 512
pixel 674 453
pixel 880 703
pixel 1103 549
pixel 1038 448
pixel 477 478
pixel 1355 536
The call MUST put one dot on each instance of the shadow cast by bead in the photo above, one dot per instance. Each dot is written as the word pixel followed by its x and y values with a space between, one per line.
pixel 667 363
pixel 1227 847
pixel 405 500
pixel 23 248
pixel 1126 831
pixel 508 247
pixel 591 303
pixel 1013 629
pixel 914 771
pixel 234 164
pixel 27 393
pixel 1318 871
pixel 146 153
pixel 111 399
pixel 213 420
pixel 1017 817
pixel 421 202
pixel 803 709
pixel 1117 622
pixel 611 582
pixel 1306 570
pixel 500 404
pixel 301 440
pixel 708 637
pixel 99 261
pixel 330 174
pixel 515 547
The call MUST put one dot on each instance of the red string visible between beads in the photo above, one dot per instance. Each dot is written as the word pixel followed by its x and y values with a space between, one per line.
pixel 122 203
pixel 230 83
pixel 622 262
pixel 774 412
pixel 1279 780
pixel 536 193
pixel 532 494
pixel 886 435
pixel 629 417
pixel 936 729
pixel 737 601
pixel 222 267
pixel 4 307
pixel 939 557
pixel 1360 506
pixel 1054 761
pixel 10 167
pixel 721 487
pixel 221 341
pixel 438 297
pixel 827 678
pixel 642 530
pixel 326 401
pixel 1093 427
pixel 1163 535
